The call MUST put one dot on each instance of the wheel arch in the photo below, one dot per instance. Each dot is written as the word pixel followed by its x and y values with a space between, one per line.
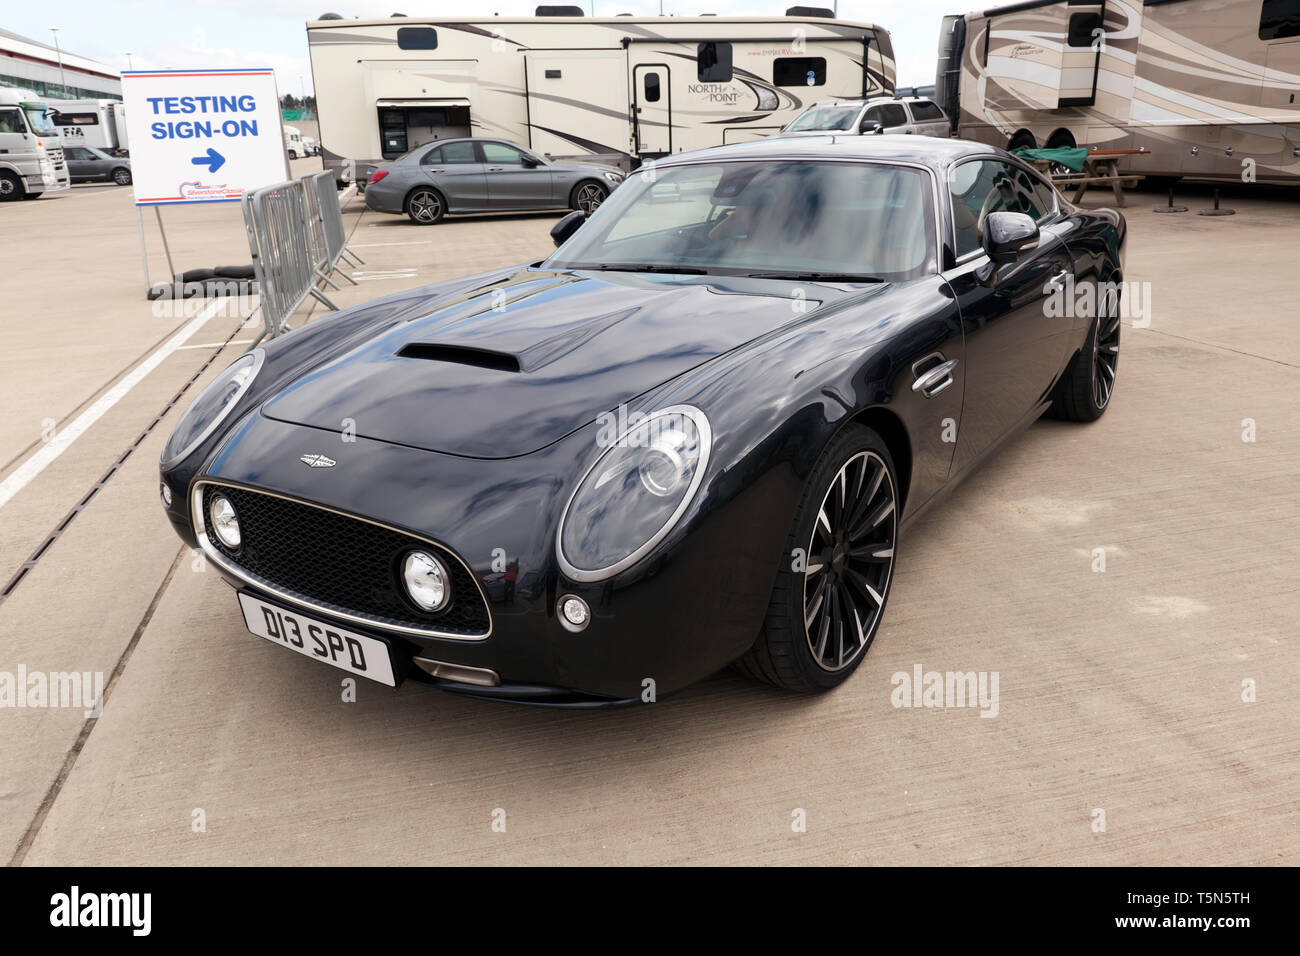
pixel 886 423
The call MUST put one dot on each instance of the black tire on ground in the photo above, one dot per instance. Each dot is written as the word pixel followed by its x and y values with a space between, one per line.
pixel 293 154
pixel 122 176
pixel 11 187
pixel 1083 394
pixel 587 196
pixel 847 566
pixel 425 206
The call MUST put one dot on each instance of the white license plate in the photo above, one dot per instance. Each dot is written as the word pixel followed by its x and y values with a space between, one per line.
pixel 346 650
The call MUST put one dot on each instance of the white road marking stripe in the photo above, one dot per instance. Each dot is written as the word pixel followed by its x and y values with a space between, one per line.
pixel 64 437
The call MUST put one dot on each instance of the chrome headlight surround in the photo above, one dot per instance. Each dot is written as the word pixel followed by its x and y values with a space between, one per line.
pixel 704 435
pixel 614 178
pixel 242 372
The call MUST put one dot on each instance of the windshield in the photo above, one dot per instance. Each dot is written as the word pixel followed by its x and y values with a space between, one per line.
pixel 40 118
pixel 825 117
pixel 816 219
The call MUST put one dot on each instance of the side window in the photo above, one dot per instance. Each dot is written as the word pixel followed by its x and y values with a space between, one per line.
pixel 432 158
pixel 1083 27
pixel 713 62
pixel 652 87
pixel 894 115
pixel 502 154
pixel 462 152
pixel 10 123
pixel 923 111
pixel 1279 19
pixel 983 186
pixel 799 71
pixel 874 115
pixel 417 38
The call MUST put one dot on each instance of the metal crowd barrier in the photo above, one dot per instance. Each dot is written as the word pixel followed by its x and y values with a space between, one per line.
pixel 296 237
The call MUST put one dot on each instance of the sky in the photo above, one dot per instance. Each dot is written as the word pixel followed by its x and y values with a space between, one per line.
pixel 205 34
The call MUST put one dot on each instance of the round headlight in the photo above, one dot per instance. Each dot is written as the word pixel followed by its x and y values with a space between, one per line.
pixel 426 581
pixel 224 521
pixel 211 407
pixel 634 494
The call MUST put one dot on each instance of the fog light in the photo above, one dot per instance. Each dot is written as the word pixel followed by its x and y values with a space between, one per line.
pixel 225 523
pixel 574 613
pixel 166 495
pixel 426 581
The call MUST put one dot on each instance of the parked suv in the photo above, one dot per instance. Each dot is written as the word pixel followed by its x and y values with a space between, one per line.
pixel 880 115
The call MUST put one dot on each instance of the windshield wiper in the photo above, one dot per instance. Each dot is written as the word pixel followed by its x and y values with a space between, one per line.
pixel 826 276
pixel 638 267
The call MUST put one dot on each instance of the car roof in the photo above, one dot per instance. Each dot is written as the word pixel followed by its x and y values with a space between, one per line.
pixel 933 151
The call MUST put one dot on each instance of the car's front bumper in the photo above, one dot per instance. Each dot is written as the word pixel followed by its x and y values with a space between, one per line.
pixel 692 606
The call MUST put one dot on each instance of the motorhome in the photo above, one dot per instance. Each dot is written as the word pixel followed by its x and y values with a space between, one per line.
pixel 100 124
pixel 1207 88
pixel 619 90
pixel 31 160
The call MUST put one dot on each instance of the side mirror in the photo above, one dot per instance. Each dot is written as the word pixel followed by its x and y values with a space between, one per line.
pixel 530 163
pixel 1008 235
pixel 562 230
pixel 870 126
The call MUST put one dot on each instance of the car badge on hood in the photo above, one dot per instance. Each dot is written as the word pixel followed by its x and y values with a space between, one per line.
pixel 318 461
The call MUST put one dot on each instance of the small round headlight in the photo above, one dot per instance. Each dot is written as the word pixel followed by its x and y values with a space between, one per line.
pixel 426 581
pixel 166 494
pixel 225 523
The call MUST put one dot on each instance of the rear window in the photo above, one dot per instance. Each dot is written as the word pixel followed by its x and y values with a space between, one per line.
pixel 417 38
pixel 923 111
pixel 1083 30
pixel 799 71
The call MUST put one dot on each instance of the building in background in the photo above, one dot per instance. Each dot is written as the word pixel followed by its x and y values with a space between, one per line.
pixel 31 65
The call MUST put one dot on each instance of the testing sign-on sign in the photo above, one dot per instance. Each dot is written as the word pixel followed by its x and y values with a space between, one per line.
pixel 202 135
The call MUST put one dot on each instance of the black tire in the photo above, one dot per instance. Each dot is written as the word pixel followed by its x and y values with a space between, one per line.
pixel 1022 139
pixel 1084 392
pixel 121 176
pixel 851 571
pixel 1061 139
pixel 587 196
pixel 293 154
pixel 11 187
pixel 425 206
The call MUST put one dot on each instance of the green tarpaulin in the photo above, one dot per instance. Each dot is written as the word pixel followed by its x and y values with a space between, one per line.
pixel 1069 156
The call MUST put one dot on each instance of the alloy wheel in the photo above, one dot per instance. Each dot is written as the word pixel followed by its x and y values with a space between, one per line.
pixel 426 207
pixel 122 177
pixel 850 561
pixel 590 197
pixel 1105 352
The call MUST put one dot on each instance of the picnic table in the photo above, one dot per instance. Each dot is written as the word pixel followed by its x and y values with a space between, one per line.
pixel 1100 167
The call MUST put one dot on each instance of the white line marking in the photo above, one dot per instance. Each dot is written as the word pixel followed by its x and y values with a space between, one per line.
pixel 64 437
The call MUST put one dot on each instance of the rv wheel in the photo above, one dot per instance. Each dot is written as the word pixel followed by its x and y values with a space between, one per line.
pixel 587 196
pixel 11 187
pixel 425 206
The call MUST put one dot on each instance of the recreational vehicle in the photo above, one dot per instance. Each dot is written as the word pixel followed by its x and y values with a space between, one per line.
pixel 99 124
pixel 619 90
pixel 1208 87
pixel 31 160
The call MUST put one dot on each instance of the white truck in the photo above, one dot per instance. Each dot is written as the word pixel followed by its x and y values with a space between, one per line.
pixel 293 144
pixel 31 159
pixel 100 124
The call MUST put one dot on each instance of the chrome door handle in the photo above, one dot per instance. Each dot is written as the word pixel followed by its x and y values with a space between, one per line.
pixel 1057 282
pixel 934 379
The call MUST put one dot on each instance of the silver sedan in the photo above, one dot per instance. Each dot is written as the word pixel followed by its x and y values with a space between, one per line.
pixel 484 175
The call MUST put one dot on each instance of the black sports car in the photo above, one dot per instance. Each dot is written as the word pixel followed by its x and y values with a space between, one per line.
pixel 693 436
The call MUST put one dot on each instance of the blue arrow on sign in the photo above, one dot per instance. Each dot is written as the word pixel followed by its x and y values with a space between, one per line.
pixel 213 160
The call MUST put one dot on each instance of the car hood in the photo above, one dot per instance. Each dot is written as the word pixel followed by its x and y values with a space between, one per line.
pixel 519 364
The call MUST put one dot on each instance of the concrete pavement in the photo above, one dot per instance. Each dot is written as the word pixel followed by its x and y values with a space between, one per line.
pixel 1121 733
